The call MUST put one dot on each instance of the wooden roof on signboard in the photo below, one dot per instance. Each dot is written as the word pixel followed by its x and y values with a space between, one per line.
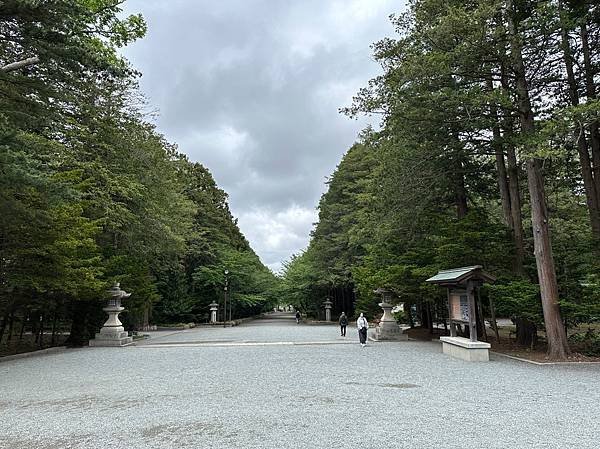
pixel 461 275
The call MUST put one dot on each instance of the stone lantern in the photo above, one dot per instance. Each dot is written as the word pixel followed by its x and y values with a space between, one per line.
pixel 112 333
pixel 327 304
pixel 213 312
pixel 388 329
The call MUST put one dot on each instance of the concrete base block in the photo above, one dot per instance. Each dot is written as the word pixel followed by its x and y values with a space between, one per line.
pixel 390 333
pixel 111 343
pixel 465 349
pixel 112 338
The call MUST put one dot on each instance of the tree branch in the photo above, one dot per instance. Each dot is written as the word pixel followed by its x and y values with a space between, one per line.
pixel 20 64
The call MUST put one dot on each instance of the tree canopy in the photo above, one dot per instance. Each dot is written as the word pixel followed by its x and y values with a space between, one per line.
pixel 487 153
pixel 92 194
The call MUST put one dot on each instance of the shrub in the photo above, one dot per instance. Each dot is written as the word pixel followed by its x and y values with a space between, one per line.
pixel 588 343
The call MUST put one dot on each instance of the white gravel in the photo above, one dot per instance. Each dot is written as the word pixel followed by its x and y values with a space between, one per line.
pixel 209 389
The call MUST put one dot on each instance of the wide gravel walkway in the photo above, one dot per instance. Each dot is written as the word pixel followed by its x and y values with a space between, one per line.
pixel 275 384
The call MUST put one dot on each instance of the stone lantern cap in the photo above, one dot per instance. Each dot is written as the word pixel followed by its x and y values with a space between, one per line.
pixel 116 292
pixel 385 293
pixel 327 303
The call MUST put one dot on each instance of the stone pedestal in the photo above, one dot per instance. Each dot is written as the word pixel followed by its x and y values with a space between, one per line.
pixel 388 329
pixel 213 312
pixel 465 349
pixel 327 305
pixel 112 333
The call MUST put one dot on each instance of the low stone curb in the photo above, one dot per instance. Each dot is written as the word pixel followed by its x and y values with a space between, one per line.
pixel 232 323
pixel 246 343
pixel 174 328
pixel 319 323
pixel 533 362
pixel 23 355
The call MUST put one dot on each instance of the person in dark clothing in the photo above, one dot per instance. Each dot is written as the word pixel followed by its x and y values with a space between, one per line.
pixel 343 324
pixel 298 316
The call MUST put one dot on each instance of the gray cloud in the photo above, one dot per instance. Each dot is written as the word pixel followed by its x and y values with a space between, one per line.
pixel 251 88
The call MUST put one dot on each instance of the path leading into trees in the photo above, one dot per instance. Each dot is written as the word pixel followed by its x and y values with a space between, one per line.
pixel 274 384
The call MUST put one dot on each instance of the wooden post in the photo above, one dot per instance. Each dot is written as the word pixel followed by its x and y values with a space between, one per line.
pixel 452 324
pixel 472 312
pixel 480 313
pixel 493 312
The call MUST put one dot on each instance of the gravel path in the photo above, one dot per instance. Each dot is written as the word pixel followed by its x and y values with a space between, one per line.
pixel 275 384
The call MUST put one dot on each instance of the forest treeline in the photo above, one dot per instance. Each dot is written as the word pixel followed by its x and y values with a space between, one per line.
pixel 92 194
pixel 488 153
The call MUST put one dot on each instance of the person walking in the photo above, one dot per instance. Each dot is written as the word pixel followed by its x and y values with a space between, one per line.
pixel 343 324
pixel 362 325
pixel 298 316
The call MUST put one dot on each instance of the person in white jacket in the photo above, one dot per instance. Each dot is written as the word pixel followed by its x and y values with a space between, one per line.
pixel 362 324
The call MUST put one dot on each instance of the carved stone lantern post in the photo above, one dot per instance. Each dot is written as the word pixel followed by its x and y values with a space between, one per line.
pixel 388 328
pixel 213 312
pixel 327 304
pixel 113 333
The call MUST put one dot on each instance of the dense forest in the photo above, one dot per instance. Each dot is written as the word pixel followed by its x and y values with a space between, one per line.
pixel 92 194
pixel 488 152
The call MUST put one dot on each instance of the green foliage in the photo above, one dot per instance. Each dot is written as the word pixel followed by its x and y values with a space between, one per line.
pixel 401 317
pixel 588 342
pixel 422 195
pixel 91 193
pixel 517 298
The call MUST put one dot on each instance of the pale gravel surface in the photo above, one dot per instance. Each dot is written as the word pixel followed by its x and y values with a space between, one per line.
pixel 201 395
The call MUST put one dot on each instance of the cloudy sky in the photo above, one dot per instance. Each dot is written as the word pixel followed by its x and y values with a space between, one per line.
pixel 251 89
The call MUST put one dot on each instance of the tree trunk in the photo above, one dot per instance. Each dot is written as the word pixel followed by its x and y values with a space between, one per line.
pixel 25 317
pixel 558 347
pixel 591 195
pixel 3 327
pixel 41 337
pixel 146 317
pixel 54 322
pixel 526 332
pixel 501 174
pixel 494 322
pixel 590 89
pixel 429 318
pixel 34 322
pixel 422 311
pixel 11 323
pixel 503 184
pixel 517 217
pixel 411 320
pixel 514 187
pixel 461 195
pixel 78 335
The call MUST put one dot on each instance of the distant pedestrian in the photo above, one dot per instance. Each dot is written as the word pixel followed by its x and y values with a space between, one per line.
pixel 362 325
pixel 298 316
pixel 343 324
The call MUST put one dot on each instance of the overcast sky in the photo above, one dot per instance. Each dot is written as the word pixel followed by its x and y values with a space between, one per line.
pixel 251 89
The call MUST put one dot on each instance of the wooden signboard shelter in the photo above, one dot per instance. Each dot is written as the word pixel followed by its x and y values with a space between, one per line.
pixel 461 284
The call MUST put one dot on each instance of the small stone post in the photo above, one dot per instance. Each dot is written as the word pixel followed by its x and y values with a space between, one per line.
pixel 213 312
pixel 327 305
pixel 113 333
